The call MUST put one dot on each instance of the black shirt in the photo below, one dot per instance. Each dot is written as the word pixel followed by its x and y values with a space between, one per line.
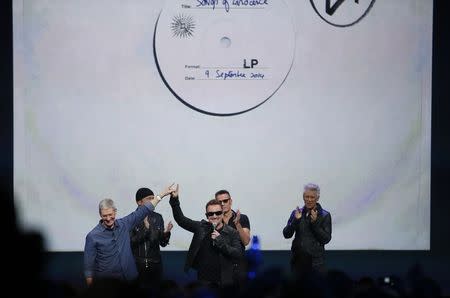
pixel 245 223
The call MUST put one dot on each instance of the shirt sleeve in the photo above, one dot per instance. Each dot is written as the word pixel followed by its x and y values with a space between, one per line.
pixel 163 237
pixel 289 229
pixel 90 254
pixel 135 217
pixel 245 222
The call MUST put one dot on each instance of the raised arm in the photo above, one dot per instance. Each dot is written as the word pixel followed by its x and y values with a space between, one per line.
pixel 292 223
pixel 183 221
pixel 243 227
pixel 234 249
pixel 150 202
pixel 164 234
pixel 322 229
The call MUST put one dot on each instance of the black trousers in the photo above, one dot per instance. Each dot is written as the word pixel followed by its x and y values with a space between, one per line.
pixel 303 263
pixel 150 273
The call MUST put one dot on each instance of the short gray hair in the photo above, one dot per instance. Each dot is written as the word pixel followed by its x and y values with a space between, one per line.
pixel 313 187
pixel 106 204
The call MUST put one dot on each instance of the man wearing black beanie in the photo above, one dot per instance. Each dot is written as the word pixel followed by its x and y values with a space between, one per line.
pixel 146 239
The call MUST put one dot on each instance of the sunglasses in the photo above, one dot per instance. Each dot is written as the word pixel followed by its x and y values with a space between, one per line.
pixel 217 213
pixel 224 201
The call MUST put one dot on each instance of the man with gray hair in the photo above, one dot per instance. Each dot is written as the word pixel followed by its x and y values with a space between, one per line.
pixel 312 227
pixel 107 251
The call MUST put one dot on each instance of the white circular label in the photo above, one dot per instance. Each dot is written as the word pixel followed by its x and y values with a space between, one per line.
pixel 224 57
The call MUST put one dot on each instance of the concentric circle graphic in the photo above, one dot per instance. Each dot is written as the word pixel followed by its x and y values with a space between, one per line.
pixel 227 58
pixel 342 13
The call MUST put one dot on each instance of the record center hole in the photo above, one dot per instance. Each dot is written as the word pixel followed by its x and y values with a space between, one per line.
pixel 225 42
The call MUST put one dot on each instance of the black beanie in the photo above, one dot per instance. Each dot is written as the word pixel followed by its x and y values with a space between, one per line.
pixel 142 193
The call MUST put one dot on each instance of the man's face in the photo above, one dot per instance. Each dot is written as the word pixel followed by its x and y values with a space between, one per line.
pixel 226 201
pixel 214 213
pixel 310 198
pixel 108 217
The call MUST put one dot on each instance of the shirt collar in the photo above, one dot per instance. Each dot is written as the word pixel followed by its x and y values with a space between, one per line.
pixel 102 226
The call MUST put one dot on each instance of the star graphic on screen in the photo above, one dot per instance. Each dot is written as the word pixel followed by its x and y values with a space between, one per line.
pixel 183 26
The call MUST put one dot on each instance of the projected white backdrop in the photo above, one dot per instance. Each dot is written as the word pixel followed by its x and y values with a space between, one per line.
pixel 94 118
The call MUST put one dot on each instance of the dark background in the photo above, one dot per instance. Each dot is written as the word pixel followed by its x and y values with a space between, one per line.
pixel 68 266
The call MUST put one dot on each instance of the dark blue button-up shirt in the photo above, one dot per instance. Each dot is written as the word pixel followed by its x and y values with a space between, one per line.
pixel 107 252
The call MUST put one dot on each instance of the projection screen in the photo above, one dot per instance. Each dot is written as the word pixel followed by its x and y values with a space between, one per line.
pixel 258 97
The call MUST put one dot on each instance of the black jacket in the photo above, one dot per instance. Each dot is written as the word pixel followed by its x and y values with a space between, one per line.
pixel 310 237
pixel 145 242
pixel 228 243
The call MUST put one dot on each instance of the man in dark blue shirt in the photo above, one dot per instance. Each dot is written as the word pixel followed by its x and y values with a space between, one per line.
pixel 107 251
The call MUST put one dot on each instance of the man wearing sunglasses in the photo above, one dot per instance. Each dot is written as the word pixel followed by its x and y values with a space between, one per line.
pixel 215 246
pixel 239 222
pixel 234 219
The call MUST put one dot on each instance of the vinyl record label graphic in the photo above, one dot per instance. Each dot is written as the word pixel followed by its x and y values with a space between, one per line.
pixel 224 57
